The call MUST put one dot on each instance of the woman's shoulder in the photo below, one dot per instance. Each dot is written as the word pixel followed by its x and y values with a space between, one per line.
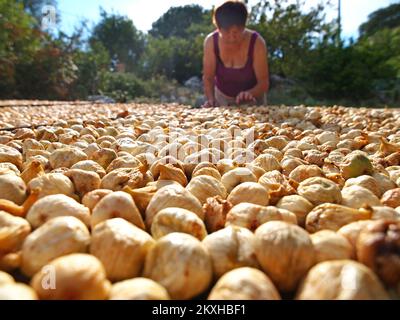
pixel 210 36
pixel 260 41
pixel 209 44
pixel 209 40
pixel 259 36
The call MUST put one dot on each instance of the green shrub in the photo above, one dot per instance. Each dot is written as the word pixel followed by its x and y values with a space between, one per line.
pixel 122 87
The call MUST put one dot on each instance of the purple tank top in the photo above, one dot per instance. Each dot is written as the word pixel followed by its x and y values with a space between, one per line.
pixel 232 81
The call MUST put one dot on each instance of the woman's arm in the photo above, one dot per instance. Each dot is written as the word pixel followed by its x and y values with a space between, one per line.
pixel 209 65
pixel 260 64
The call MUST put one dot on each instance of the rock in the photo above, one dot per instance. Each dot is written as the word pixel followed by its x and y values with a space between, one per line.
pixel 194 83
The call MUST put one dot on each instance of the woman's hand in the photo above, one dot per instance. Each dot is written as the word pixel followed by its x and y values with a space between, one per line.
pixel 209 104
pixel 245 96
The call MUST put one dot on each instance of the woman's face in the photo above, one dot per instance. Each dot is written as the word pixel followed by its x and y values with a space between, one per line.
pixel 232 35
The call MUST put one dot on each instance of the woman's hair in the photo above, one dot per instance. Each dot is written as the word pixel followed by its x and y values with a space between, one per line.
pixel 230 13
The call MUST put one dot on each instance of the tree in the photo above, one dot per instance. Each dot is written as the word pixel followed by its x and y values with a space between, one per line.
pixel 366 69
pixel 92 64
pixel 50 75
pixel 388 17
pixel 176 21
pixel 290 32
pixel 34 64
pixel 338 73
pixel 172 57
pixel 382 49
pixel 18 42
pixel 174 48
pixel 124 43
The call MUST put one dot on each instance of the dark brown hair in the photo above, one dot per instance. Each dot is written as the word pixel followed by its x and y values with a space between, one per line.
pixel 230 13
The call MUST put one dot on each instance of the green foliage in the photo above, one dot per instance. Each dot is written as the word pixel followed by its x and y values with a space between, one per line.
pixel 176 21
pixel 35 64
pixel 338 72
pixel 174 58
pixel 363 70
pixel 122 86
pixel 49 76
pixel 92 65
pixel 382 50
pixel 175 45
pixel 18 42
pixel 386 18
pixel 290 33
pixel 124 43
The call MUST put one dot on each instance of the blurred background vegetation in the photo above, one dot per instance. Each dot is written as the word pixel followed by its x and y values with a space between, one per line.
pixel 309 63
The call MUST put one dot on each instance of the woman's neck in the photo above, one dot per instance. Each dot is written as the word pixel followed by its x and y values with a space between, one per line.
pixel 236 45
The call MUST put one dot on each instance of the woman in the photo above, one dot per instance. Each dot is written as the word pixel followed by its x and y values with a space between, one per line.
pixel 235 68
